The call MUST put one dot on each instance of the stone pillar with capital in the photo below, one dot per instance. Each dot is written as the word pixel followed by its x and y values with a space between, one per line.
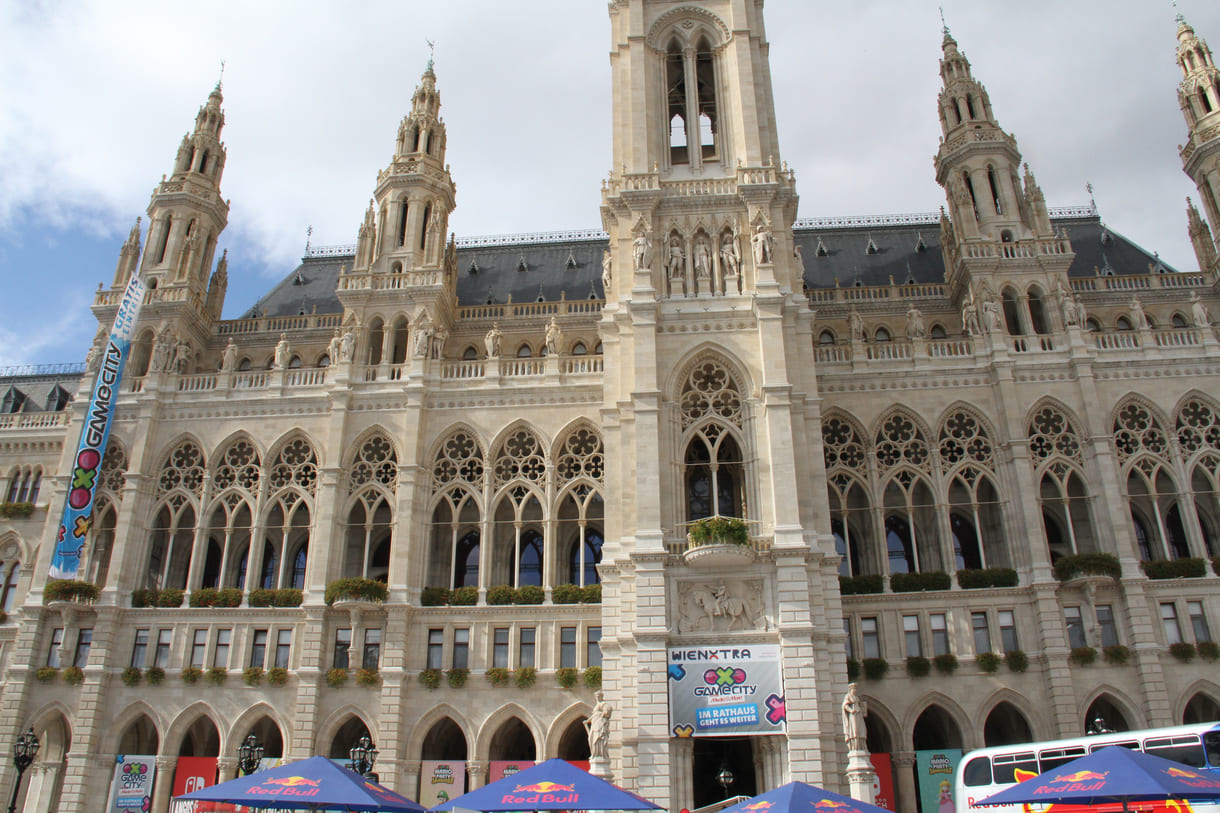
pixel 163 783
pixel 226 769
pixel 907 793
pixel 476 775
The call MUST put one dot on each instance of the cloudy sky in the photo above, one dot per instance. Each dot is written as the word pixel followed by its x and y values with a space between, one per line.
pixel 96 94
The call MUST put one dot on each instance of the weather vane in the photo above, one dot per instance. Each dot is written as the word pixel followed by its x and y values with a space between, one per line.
pixel 1092 200
pixel 944 26
pixel 220 79
pixel 431 52
pixel 1177 11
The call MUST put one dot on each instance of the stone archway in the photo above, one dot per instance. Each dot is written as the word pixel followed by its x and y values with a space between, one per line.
pixel 1006 725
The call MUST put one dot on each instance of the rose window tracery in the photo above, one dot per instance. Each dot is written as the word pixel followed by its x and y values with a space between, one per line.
pixel 841 445
pixel 1052 434
pixel 183 469
pixel 900 442
pixel 297 465
pixel 240 467
pixel 582 456
pixel 962 439
pixel 520 458
pixel 1136 430
pixel 376 462
pixel 710 391
pixel 114 470
pixel 458 460
pixel 1198 427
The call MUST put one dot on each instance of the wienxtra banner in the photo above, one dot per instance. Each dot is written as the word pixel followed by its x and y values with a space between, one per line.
pixel 87 465
pixel 726 691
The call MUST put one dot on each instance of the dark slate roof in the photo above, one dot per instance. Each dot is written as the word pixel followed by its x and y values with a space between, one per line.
pixel 47 388
pixel 529 270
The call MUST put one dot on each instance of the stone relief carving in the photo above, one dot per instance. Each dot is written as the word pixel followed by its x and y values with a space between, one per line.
pixel 723 605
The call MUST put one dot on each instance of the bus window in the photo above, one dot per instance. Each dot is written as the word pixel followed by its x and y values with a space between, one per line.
pixel 1049 760
pixel 1130 745
pixel 1006 766
pixel 977 772
pixel 1211 745
pixel 1186 750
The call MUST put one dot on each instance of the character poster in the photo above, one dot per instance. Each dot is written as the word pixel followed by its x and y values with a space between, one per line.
pixel 498 769
pixel 934 770
pixel 440 781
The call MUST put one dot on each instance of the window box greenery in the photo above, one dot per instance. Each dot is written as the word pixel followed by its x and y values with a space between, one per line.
pixel 1183 651
pixel 166 599
pixel 430 678
pixel 592 594
pixel 336 678
pixel 529 594
pixel 456 678
pixel 987 577
pixel 286 597
pixel 525 677
pixel 853 669
pixel 875 668
pixel 356 590
pixel 74 676
pixel 367 677
pixel 211 597
pixel 1174 568
pixel 46 674
pixel 593 677
pixel 253 676
pixel 1087 564
pixel 216 675
pixel 1117 655
pixel 155 675
pixel 918 666
pixel 70 590
pixel 464 597
pixel 916 582
pixel 16 510
pixel 1083 656
pixel 861 585
pixel 718 531
pixel 1208 651
pixel 500 594
pixel 946 664
pixel 277 676
pixel 566 676
pixel 498 676
pixel 1017 660
pixel 566 594
pixel 987 661
pixel 131 676
pixel 434 596
pixel 191 674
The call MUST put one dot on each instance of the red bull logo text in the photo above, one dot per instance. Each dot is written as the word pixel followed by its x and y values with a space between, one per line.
pixel 1077 782
pixel 542 792
pixel 297 786
pixel 1193 779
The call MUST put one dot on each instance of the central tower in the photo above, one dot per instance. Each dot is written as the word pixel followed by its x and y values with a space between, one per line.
pixel 709 391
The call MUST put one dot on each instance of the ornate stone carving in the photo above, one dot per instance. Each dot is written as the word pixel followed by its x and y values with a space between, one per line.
pixel 724 605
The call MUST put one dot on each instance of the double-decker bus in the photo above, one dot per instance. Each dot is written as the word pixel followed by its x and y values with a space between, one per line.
pixel 987 771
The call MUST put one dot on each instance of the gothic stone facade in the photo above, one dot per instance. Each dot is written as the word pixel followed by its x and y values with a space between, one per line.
pixel 901 410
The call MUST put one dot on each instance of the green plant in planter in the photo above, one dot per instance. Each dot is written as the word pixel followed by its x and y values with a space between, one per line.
pixel 1216 565
pixel 1116 654
pixel 464 597
pixel 434 596
pixel 216 675
pixel 918 666
pixel 430 678
pixel 1183 651
pixel 131 676
pixel 498 676
pixel 566 676
pixel 155 675
pixel 987 577
pixel 336 678
pixel 74 676
pixel 46 674
pixel 367 677
pixel 525 677
pixel 356 590
pixel 946 664
pixel 457 678
pixel 529 594
pixel 987 661
pixel 191 674
pixel 211 597
pixel 1017 660
pixel 277 676
pixel 286 597
pixel 70 590
pixel 156 598
pixel 16 510
pixel 1208 651
pixel 1175 568
pixel 566 594
pixel 867 584
pixel 875 668
pixel 500 594
pixel 1087 564
pixel 916 582
pixel 591 594
pixel 718 531
pixel 593 677
pixel 253 676
pixel 3 616
pixel 853 669
pixel 1083 656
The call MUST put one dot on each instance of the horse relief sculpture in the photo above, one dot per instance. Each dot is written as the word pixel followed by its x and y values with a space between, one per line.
pixel 725 605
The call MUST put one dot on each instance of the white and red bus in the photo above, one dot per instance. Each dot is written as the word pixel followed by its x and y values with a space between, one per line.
pixel 987 771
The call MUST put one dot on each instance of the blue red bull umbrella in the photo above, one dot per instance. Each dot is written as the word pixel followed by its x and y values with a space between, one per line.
pixel 551 785
pixel 316 783
pixel 797 797
pixel 1112 775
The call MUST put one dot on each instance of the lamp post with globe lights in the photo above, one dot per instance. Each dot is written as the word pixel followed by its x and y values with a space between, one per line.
pixel 364 756
pixel 24 751
pixel 249 754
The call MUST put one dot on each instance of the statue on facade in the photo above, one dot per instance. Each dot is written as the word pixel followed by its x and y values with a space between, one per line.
pixel 1068 307
pixel 1138 317
pixel 598 727
pixel 439 339
pixel 799 260
pixel 491 342
pixel 970 315
pixel 1082 313
pixel 162 348
pixel 857 326
pixel 229 358
pixel 423 338
pixel 854 711
pixel 730 254
pixel 676 260
pixel 641 248
pixel 347 349
pixel 554 337
pixel 915 323
pixel 283 352
pixel 703 260
pixel 182 357
pixel 335 349
pixel 1199 312
pixel 991 315
pixel 607 273
pixel 764 245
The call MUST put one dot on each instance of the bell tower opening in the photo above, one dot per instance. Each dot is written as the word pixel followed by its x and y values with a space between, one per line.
pixel 693 111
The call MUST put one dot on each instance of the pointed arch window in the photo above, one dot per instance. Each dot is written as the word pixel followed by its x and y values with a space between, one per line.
pixel 714 472
pixel 692 106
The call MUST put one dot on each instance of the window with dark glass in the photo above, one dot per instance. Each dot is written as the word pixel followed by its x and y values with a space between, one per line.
pixel 1008 631
pixel 165 639
pixel 525 648
pixel 499 648
pixel 258 648
pixel 343 648
pixel 57 641
pixel 567 647
pixel 870 638
pixel 593 649
pixel 911 637
pixel 461 649
pixel 1169 620
pixel 139 649
pixel 940 633
pixel 84 640
pixel 283 648
pixel 1198 621
pixel 436 649
pixel 1075 627
pixel 371 659
pixel 851 646
pixel 1105 623
pixel 982 632
pixel 220 655
pixel 199 648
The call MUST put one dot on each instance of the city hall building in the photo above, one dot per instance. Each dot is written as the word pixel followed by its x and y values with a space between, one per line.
pixel 439 490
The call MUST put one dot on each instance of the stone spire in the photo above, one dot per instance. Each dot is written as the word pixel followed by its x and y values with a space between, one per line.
pixel 1200 237
pixel 129 256
pixel 1199 97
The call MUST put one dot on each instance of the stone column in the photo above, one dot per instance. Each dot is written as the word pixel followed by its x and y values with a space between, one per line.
pixel 163 783
pixel 476 775
pixel 681 773
pixel 907 793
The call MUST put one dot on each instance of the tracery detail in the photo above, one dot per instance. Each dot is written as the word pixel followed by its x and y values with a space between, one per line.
pixel 458 460
pixel 1136 431
pixel 240 467
pixel 296 464
pixel 582 455
pixel 962 439
pixel 711 391
pixel 899 441
pixel 520 458
pixel 183 468
pixel 376 462
pixel 1052 434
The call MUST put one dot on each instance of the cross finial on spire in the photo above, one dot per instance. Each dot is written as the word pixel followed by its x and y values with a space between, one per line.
pixel 431 52
pixel 943 25
pixel 220 79
pixel 1177 12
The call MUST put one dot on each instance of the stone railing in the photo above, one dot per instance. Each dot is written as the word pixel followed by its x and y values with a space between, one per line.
pixel 1033 344
pixel 279 324
pixel 514 310
pixel 1140 282
pixel 877 293
pixel 34 420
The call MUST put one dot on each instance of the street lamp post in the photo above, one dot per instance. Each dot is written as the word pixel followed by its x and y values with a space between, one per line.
pixel 249 754
pixel 24 751
pixel 725 778
pixel 364 755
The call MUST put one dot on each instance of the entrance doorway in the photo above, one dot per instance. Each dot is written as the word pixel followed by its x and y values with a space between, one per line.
pixel 712 754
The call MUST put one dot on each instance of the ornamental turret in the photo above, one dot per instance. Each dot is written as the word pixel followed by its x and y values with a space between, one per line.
pixel 129 257
pixel 1199 97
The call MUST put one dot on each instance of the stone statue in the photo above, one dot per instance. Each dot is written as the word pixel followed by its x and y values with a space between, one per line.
pixel 439 339
pixel 182 357
pixel 764 245
pixel 335 348
pixel 799 259
pixel 854 712
pixel 991 313
pixel 676 259
pixel 347 349
pixel 1138 316
pixel 703 259
pixel 970 316
pixel 598 727
pixel 161 350
pixel 1198 311
pixel 1068 307
pixel 607 273
pixel 229 358
pixel 554 337
pixel 642 251
pixel 491 342
pixel 857 326
pixel 730 254
pixel 283 352
pixel 1082 313
pixel 915 324
pixel 423 339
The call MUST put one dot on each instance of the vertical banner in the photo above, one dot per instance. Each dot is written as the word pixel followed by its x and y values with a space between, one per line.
pixel 934 770
pixel 131 790
pixel 194 773
pixel 883 785
pixel 87 464
pixel 726 691
pixel 440 781
pixel 503 768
